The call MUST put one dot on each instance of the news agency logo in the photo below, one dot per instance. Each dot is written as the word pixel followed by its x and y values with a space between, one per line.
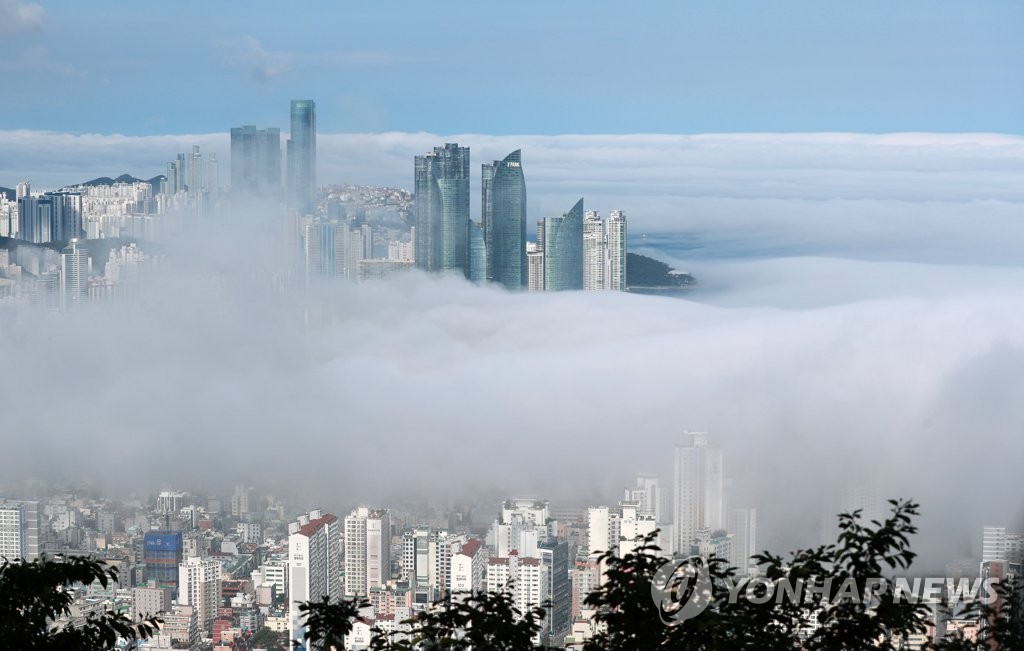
pixel 681 589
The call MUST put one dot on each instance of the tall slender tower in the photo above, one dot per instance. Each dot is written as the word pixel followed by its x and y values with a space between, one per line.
pixel 442 209
pixel 615 240
pixel 504 220
pixel 593 251
pixel 563 250
pixel 698 490
pixel 302 156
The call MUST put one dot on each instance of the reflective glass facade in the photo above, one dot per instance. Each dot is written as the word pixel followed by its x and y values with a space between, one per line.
pixel 442 209
pixel 563 250
pixel 504 213
pixel 302 156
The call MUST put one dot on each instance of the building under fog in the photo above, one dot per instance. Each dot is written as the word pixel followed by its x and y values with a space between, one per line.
pixel 441 179
pixel 562 241
pixel 255 160
pixel 302 156
pixel 698 490
pixel 503 199
pixel 52 217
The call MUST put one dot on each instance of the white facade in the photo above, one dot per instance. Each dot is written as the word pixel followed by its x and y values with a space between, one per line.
pixel 19 530
pixel 598 539
pixel 199 584
pixel 593 251
pixel 615 243
pixel 170 501
pixel 743 527
pixel 314 563
pixel 367 550
pixel 993 544
pixel 534 268
pixel 647 494
pixel 468 566
pixel 698 490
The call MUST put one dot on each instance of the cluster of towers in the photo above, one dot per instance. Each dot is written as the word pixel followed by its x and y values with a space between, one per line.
pixel 576 250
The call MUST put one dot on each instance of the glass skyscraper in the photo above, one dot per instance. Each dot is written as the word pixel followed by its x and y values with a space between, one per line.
pixel 442 209
pixel 503 194
pixel 563 250
pixel 477 253
pixel 255 159
pixel 302 156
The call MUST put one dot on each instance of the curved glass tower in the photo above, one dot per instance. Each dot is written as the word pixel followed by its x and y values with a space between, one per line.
pixel 504 215
pixel 302 156
pixel 563 250
pixel 442 209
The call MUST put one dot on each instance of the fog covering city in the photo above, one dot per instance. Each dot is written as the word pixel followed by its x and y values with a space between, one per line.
pixel 859 319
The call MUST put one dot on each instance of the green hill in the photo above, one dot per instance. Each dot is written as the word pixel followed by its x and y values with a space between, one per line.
pixel 9 193
pixel 643 272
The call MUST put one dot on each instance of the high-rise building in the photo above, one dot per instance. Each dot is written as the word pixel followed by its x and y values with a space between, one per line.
pixel 743 528
pixel 162 553
pixel 23 190
pixel 615 242
pixel 535 268
pixel 196 175
pixel 367 550
pixel 302 156
pixel 594 251
pixel 647 494
pixel 504 220
pixel 199 585
pixel 255 160
pixel 426 560
pixel 52 217
pixel 74 271
pixel 19 530
pixel 563 250
pixel 477 253
pixel 468 568
pixel 698 490
pixel 441 181
pixel 314 565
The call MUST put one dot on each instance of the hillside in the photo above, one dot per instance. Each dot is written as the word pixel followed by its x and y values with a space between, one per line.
pixel 126 178
pixel 643 272
pixel 9 193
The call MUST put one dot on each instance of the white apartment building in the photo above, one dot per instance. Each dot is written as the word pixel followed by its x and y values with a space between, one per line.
pixel 199 584
pixel 314 564
pixel 19 530
pixel 367 550
pixel 594 251
pixel 468 568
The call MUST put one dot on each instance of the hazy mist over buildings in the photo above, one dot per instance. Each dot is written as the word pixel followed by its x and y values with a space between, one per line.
pixel 859 319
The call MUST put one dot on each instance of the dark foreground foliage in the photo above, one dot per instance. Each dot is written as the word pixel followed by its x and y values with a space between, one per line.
pixel 837 618
pixel 34 594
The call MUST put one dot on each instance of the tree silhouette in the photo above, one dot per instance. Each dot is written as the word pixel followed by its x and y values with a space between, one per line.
pixel 35 594
pixel 830 611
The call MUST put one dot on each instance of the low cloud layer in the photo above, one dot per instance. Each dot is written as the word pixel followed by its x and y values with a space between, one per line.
pixel 860 319
pixel 929 197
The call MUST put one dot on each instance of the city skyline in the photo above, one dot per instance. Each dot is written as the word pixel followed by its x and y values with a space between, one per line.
pixel 353 343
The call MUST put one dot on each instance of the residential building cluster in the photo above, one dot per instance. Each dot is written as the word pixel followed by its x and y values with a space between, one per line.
pixel 220 569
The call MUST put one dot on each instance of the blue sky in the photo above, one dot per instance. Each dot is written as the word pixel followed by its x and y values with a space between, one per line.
pixel 515 67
